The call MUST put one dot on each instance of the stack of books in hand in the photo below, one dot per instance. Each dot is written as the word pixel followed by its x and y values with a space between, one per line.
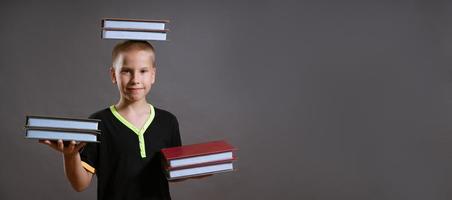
pixel 61 128
pixel 134 29
pixel 198 159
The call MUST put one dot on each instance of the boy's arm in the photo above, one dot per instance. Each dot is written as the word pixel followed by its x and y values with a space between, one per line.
pixel 75 173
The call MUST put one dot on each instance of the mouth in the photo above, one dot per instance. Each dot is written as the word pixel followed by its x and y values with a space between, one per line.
pixel 134 89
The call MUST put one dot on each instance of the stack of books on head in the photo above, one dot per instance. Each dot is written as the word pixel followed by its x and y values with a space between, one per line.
pixel 198 159
pixel 134 29
pixel 61 128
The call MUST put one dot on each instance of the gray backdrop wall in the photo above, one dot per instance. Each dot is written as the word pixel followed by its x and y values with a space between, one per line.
pixel 324 99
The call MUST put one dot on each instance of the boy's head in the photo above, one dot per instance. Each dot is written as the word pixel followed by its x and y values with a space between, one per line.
pixel 133 69
pixel 131 45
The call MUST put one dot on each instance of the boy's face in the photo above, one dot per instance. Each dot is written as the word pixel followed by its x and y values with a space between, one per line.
pixel 134 74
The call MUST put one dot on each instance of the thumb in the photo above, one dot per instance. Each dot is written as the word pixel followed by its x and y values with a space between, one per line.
pixel 80 146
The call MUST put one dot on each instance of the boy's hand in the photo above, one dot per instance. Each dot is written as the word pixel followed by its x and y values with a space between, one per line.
pixel 68 150
pixel 194 177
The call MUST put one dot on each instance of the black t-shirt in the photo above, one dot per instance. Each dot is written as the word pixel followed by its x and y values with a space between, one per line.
pixel 125 167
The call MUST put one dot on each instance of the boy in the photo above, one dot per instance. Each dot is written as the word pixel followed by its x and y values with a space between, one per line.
pixel 127 161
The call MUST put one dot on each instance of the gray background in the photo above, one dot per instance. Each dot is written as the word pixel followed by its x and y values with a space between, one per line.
pixel 324 99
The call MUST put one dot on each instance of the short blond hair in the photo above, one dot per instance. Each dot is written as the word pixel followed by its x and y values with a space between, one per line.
pixel 130 45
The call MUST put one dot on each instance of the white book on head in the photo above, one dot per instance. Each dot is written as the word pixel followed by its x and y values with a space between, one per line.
pixel 201 159
pixel 133 35
pixel 129 24
pixel 200 170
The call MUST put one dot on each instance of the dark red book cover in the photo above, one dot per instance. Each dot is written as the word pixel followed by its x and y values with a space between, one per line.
pixel 200 149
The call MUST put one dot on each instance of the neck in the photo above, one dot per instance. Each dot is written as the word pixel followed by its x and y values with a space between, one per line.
pixel 133 106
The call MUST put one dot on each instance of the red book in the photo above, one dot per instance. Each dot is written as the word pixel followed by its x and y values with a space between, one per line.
pixel 197 154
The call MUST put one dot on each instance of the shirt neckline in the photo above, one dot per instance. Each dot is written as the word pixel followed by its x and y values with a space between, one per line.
pixel 139 132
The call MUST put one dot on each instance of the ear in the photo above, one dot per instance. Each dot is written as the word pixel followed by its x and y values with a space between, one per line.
pixel 153 72
pixel 113 75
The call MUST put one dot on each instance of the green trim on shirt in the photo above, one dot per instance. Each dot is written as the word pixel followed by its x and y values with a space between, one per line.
pixel 139 132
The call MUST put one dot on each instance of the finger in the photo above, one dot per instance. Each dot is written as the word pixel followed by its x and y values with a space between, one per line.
pixel 80 146
pixel 60 145
pixel 203 176
pixel 51 144
pixel 178 180
pixel 44 142
pixel 70 147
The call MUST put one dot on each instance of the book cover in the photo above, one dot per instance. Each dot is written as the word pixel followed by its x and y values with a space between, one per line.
pixel 200 149
pixel 51 133
pixel 61 122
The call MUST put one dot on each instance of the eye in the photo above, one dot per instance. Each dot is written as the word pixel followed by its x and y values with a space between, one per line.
pixel 144 70
pixel 125 71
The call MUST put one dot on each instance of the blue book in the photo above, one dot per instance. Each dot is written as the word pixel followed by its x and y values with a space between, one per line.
pixel 61 128
pixel 133 34
pixel 62 122
pixel 144 24
pixel 46 133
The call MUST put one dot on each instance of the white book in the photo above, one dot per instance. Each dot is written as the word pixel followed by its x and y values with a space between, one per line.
pixel 132 34
pixel 201 159
pixel 134 24
pixel 197 171
pixel 65 135
pixel 60 122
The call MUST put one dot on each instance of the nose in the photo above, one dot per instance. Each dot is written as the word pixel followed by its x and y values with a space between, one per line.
pixel 135 77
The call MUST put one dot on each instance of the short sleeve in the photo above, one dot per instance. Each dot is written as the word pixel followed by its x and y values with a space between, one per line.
pixel 89 154
pixel 175 134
